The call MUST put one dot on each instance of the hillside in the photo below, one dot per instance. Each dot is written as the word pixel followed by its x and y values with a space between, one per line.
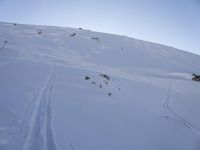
pixel 74 89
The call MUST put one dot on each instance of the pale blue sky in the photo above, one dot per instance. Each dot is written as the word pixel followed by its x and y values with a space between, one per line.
pixel 170 22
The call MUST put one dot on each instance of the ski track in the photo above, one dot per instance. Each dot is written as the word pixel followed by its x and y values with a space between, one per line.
pixel 40 136
pixel 166 105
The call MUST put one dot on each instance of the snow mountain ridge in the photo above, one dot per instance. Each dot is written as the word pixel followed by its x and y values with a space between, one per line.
pixel 74 89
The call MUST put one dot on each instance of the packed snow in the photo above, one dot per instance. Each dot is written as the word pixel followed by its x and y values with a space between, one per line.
pixel 74 89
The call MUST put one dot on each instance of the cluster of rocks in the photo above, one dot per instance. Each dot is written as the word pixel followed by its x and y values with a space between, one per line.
pixel 195 77
pixel 104 76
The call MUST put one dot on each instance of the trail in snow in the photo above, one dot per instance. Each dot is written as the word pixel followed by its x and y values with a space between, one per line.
pixel 166 105
pixel 40 136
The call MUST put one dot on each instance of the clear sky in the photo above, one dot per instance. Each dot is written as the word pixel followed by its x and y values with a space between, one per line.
pixel 170 22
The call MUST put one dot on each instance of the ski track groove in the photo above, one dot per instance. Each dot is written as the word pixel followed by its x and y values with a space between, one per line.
pixel 166 105
pixel 40 136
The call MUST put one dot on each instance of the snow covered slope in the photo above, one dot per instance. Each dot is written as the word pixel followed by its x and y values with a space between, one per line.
pixel 73 89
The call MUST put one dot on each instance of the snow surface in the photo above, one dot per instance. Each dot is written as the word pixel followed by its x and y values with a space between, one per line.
pixel 47 104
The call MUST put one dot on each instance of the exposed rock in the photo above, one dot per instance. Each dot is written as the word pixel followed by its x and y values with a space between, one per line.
pixel 73 34
pixel 105 76
pixel 87 78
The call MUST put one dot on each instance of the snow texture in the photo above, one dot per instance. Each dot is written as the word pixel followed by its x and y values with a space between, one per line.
pixel 74 89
